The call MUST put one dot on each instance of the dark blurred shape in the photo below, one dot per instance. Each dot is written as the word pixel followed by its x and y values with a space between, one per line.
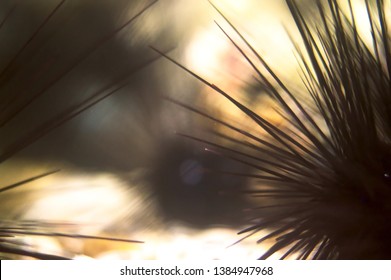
pixel 190 188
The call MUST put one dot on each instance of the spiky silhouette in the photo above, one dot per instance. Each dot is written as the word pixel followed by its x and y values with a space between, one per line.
pixel 323 179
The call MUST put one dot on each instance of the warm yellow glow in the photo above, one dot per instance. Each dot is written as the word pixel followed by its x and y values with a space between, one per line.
pixel 261 22
pixel 362 20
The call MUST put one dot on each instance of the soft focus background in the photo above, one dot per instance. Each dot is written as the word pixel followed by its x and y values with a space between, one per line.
pixel 124 171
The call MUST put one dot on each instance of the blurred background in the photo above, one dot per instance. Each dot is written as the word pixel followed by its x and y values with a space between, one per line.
pixel 124 171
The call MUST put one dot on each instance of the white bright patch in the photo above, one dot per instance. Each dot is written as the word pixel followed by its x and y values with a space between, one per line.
pixel 181 243
pixel 94 201
pixel 205 52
